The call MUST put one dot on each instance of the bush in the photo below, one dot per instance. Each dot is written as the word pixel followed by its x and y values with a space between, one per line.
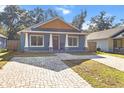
pixel 98 49
pixel 3 50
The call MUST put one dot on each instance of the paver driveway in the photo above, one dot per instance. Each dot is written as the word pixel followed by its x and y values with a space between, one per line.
pixel 111 61
pixel 40 72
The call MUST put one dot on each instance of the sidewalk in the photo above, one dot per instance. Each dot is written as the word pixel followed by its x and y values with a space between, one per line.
pixel 111 61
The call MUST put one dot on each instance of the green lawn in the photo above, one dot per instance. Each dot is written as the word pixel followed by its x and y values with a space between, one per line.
pixel 2 63
pixel 2 54
pixel 111 54
pixel 4 58
pixel 97 74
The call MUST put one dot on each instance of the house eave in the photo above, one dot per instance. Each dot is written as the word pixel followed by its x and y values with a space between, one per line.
pixel 53 32
pixel 97 39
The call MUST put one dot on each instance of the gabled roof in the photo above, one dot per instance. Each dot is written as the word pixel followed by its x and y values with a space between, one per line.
pixel 119 35
pixel 40 24
pixel 2 36
pixel 105 34
pixel 43 23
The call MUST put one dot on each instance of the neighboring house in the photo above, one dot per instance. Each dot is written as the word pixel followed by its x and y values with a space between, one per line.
pixel 3 40
pixel 111 40
pixel 53 35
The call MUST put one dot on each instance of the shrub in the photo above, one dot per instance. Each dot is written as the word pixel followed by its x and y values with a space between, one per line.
pixel 98 49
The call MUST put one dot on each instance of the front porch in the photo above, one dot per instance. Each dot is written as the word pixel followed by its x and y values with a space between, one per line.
pixel 118 45
pixel 54 42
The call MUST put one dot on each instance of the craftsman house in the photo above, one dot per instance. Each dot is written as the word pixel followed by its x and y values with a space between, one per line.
pixel 53 35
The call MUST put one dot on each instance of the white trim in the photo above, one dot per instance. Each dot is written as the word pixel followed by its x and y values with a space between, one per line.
pixel 37 45
pixel 77 37
pixel 76 33
pixel 26 39
pixel 58 40
pixel 66 40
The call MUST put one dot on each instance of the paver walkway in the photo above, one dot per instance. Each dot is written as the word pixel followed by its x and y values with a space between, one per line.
pixel 40 72
pixel 111 61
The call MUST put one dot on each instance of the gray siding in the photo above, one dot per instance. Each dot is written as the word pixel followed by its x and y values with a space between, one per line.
pixel 62 42
pixel 3 42
pixel 81 45
pixel 46 44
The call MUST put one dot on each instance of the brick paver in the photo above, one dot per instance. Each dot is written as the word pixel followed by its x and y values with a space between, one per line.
pixel 40 72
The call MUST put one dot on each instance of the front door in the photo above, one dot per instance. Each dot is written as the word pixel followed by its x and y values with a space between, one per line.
pixel 55 42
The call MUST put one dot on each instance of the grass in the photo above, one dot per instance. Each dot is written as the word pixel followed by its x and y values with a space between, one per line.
pixel 2 50
pixel 2 54
pixel 82 53
pixel 2 63
pixel 111 54
pixel 4 57
pixel 32 54
pixel 97 74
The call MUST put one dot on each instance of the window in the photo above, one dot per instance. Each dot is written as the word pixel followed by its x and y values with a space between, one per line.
pixel 37 40
pixel 118 43
pixel 73 41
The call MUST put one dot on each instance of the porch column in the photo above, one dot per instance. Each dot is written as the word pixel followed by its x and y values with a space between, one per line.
pixel 26 39
pixel 66 41
pixel 51 42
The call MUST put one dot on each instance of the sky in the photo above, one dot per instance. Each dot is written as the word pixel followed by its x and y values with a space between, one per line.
pixel 69 11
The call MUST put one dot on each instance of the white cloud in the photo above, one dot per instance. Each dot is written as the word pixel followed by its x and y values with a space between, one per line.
pixel 2 7
pixel 85 25
pixel 108 14
pixel 68 6
pixel 64 10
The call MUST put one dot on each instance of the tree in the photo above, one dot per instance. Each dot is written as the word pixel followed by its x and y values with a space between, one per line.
pixel 51 13
pixel 101 22
pixel 79 19
pixel 25 20
pixel 121 23
pixel 14 19
pixel 40 15
pixel 9 18
pixel 37 14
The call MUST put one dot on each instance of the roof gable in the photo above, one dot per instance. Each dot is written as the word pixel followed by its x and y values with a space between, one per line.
pixel 119 35
pixel 105 34
pixel 56 23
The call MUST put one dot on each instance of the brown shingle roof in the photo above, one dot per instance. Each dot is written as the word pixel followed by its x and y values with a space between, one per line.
pixel 105 34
